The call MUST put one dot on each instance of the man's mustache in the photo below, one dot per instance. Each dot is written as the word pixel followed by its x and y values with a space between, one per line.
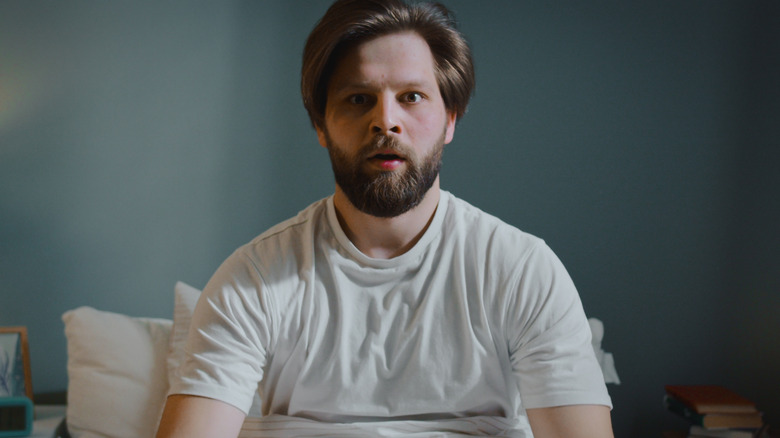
pixel 386 144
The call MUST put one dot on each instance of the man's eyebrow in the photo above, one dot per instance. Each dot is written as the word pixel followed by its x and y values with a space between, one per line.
pixel 340 86
pixel 350 85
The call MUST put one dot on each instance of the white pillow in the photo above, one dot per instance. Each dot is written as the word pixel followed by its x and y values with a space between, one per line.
pixel 185 299
pixel 117 373
pixel 606 360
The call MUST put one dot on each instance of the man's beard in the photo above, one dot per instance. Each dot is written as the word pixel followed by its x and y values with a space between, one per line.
pixel 385 193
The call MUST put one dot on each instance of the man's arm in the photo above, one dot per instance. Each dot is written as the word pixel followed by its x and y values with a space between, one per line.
pixel 576 421
pixel 189 416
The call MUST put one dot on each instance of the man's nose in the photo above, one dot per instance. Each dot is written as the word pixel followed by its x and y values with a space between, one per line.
pixel 385 116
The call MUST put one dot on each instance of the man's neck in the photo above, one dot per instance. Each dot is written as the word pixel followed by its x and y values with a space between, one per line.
pixel 385 238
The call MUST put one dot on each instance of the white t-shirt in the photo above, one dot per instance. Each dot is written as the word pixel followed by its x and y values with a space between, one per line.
pixel 477 321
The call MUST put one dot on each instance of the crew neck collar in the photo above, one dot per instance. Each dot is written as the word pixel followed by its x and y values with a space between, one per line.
pixel 433 230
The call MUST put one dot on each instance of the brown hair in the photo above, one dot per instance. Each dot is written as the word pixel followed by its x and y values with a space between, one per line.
pixel 350 22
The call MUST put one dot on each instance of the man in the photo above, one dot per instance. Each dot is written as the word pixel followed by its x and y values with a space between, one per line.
pixel 391 302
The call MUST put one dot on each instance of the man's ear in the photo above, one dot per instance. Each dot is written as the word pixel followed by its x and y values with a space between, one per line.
pixel 449 132
pixel 321 136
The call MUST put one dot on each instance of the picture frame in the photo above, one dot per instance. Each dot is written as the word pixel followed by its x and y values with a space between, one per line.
pixel 15 375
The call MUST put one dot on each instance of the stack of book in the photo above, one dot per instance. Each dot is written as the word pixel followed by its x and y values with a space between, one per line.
pixel 714 411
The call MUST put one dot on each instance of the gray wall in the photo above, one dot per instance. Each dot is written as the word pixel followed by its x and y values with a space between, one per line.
pixel 140 143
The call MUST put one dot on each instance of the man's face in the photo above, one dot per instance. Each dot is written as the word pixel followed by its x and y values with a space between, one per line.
pixel 386 124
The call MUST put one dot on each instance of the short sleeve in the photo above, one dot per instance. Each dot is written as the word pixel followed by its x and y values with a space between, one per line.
pixel 549 338
pixel 229 337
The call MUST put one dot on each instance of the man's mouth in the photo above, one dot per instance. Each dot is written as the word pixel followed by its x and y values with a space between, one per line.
pixel 386 154
pixel 387 157
pixel 387 160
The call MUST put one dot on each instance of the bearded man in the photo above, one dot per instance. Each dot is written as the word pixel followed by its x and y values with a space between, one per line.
pixel 391 308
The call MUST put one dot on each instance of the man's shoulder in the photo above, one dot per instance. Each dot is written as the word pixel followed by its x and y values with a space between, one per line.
pixel 309 216
pixel 287 238
pixel 482 226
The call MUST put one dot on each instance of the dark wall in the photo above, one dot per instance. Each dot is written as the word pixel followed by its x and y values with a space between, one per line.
pixel 140 143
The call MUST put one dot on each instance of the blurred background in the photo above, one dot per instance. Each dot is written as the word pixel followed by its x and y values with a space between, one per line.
pixel 142 142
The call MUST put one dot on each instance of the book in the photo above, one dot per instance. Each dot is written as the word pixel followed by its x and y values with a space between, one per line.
pixel 744 420
pixel 706 399
pixel 701 432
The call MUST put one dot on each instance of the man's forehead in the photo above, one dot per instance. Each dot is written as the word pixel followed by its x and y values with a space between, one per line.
pixel 397 58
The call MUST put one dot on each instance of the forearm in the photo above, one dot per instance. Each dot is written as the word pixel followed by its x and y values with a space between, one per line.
pixel 198 417
pixel 576 421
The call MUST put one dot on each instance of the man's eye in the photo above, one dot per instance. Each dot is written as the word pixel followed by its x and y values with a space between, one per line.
pixel 413 97
pixel 358 99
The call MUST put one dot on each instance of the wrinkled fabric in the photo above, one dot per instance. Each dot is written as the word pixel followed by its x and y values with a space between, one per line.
pixel 478 319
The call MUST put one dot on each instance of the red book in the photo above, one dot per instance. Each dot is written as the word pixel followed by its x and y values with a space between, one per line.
pixel 711 399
